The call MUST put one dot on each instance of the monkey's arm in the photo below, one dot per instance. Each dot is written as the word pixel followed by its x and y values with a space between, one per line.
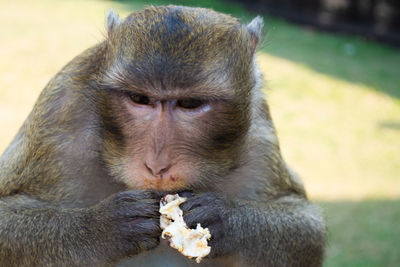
pixel 36 233
pixel 33 233
pixel 284 232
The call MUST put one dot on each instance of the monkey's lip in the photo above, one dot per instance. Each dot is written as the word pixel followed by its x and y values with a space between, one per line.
pixel 166 183
pixel 171 177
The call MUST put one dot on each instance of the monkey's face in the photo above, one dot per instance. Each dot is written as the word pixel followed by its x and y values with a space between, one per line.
pixel 177 111
pixel 173 141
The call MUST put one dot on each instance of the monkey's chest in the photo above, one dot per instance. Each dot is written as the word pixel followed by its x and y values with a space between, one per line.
pixel 165 256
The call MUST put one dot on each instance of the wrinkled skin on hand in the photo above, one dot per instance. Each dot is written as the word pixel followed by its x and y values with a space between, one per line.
pixel 210 211
pixel 133 219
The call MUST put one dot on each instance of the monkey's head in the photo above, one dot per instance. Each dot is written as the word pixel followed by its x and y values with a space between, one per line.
pixel 177 86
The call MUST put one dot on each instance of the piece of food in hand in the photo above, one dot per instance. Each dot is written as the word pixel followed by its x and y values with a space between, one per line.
pixel 189 242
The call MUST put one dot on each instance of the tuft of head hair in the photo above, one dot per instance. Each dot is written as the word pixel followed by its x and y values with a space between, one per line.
pixel 112 21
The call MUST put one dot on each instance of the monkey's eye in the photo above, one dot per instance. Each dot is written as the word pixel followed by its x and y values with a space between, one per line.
pixel 190 103
pixel 139 99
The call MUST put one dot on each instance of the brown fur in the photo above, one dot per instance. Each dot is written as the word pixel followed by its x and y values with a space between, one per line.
pixel 66 173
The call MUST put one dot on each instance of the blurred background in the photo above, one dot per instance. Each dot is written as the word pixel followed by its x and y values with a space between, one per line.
pixel 333 75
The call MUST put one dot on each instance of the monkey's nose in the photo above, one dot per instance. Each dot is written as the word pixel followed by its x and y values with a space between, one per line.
pixel 157 168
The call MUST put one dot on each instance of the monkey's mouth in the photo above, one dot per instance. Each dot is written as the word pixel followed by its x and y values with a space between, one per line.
pixel 163 183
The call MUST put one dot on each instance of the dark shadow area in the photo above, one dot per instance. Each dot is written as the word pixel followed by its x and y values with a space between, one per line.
pixel 374 19
pixel 363 233
pixel 348 58
pixel 392 125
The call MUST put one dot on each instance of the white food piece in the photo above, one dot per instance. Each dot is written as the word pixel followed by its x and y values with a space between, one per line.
pixel 189 242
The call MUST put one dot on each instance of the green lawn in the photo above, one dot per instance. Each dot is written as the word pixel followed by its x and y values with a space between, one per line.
pixel 335 101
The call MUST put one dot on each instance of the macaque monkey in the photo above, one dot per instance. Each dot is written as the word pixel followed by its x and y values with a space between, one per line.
pixel 170 102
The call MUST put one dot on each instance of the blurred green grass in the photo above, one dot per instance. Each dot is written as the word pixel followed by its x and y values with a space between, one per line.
pixel 335 101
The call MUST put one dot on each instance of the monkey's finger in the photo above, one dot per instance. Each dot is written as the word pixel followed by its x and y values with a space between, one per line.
pixel 135 195
pixel 146 208
pixel 142 228
pixel 216 231
pixel 148 243
pixel 217 249
pixel 186 194
pixel 148 227
pixel 218 240
pixel 157 194
pixel 203 215
pixel 191 203
pixel 197 201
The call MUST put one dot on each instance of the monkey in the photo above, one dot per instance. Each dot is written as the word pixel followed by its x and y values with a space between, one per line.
pixel 169 102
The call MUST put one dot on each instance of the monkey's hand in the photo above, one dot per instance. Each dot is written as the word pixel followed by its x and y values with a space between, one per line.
pixel 261 231
pixel 130 222
pixel 210 211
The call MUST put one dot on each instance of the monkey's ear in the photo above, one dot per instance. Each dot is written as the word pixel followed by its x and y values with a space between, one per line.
pixel 255 30
pixel 113 21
